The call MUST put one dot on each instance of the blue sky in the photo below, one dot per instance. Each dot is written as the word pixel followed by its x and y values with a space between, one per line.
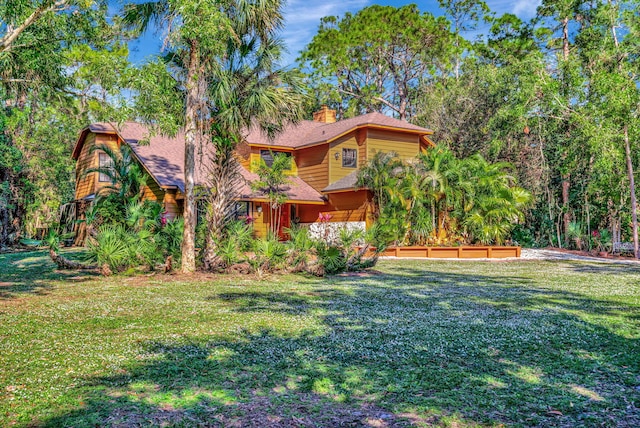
pixel 302 18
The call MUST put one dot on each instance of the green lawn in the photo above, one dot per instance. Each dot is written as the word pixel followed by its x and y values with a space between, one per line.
pixel 413 343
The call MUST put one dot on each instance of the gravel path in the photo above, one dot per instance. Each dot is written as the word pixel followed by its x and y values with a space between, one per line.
pixel 546 254
pixel 540 254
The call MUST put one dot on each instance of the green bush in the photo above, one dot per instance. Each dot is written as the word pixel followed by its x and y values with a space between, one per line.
pixel 141 241
pixel 111 247
pixel 270 254
pixel 332 258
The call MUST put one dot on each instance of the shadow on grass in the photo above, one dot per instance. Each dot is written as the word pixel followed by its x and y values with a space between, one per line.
pixel 422 348
pixel 33 272
pixel 606 268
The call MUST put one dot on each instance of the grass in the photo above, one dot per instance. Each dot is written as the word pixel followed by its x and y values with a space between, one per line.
pixel 414 343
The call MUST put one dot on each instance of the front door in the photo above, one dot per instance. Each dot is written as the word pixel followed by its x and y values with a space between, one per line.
pixel 285 222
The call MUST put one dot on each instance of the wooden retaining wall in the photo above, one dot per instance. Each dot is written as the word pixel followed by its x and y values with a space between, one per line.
pixel 464 252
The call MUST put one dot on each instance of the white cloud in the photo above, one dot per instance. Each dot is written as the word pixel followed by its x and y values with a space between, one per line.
pixel 526 8
pixel 522 8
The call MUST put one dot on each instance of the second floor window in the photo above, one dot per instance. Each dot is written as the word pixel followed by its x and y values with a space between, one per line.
pixel 104 161
pixel 268 155
pixel 349 158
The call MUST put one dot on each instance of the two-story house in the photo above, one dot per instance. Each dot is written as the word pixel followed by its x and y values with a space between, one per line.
pixel 326 155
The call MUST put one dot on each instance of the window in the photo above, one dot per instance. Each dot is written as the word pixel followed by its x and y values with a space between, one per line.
pixel 349 158
pixel 104 161
pixel 267 156
pixel 241 210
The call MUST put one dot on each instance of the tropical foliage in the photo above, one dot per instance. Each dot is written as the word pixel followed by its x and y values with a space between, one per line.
pixel 271 183
pixel 440 199
pixel 556 97
pixel 141 241
pixel 228 74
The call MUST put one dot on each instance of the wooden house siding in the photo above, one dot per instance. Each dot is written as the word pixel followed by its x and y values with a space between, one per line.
pixel 153 192
pixel 110 141
pixel 348 206
pixel 171 205
pixel 86 183
pixel 261 220
pixel 244 155
pixel 336 170
pixel 313 166
pixel 406 145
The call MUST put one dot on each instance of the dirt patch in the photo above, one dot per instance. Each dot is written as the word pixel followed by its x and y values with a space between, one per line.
pixel 298 410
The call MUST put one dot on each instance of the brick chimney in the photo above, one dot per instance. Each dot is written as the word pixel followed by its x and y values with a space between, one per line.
pixel 325 115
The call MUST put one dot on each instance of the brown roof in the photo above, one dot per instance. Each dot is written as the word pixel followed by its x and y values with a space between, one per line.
pixel 309 132
pixel 347 182
pixel 297 189
pixel 163 157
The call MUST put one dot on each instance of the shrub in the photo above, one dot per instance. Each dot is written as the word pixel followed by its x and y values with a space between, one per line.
pixel 111 248
pixel 139 242
pixel 331 259
pixel 269 255
pixel 299 247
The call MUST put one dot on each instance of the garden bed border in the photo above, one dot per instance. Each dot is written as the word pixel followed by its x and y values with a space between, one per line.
pixel 461 252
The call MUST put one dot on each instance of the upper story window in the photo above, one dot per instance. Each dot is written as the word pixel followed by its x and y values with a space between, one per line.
pixel 104 161
pixel 267 156
pixel 349 158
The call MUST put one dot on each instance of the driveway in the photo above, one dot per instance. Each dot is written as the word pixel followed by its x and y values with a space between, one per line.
pixel 548 254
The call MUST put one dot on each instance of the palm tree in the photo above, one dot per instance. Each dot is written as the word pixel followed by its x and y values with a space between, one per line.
pixel 218 51
pixel 415 188
pixel 245 89
pixel 271 184
pixel 493 204
pixel 125 174
pixel 447 182
pixel 381 176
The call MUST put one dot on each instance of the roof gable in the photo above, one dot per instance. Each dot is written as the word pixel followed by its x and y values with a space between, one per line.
pixel 309 132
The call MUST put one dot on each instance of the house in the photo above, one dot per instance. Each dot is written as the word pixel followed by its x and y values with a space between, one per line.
pixel 326 156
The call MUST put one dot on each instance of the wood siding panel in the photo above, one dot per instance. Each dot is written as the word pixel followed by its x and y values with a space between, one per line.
pixel 86 184
pixel 336 170
pixel 310 213
pixel 343 206
pixel 348 200
pixel 261 220
pixel 313 166
pixel 406 145
pixel 358 214
pixel 171 205
pixel 153 192
pixel 110 141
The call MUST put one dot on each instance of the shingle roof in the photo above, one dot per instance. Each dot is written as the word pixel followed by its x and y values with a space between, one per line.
pixel 308 132
pixel 163 157
pixel 345 183
pixel 296 189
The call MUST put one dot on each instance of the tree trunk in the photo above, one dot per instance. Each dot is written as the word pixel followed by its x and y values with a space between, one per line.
pixel 64 263
pixel 632 188
pixel 191 130
pixel 566 216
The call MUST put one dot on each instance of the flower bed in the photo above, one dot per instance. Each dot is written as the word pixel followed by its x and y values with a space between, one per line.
pixel 462 252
